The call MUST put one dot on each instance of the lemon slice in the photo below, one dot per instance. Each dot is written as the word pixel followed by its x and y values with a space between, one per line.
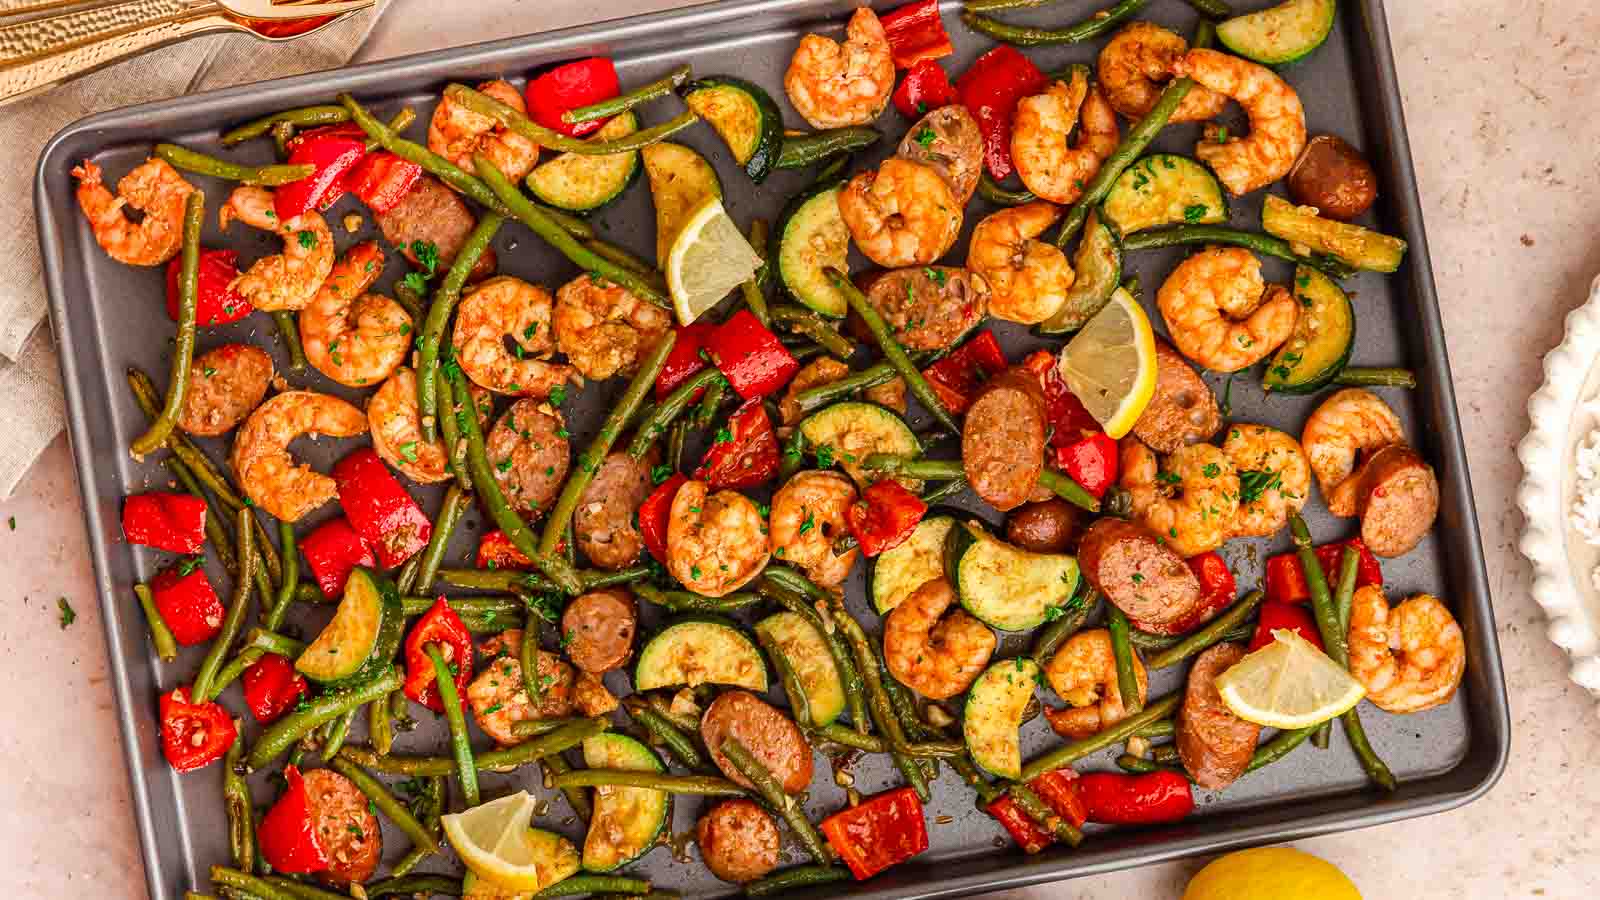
pixel 492 840
pixel 709 258
pixel 1288 684
pixel 1111 364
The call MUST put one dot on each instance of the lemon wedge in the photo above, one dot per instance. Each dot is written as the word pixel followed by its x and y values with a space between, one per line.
pixel 1288 684
pixel 492 839
pixel 709 258
pixel 1111 364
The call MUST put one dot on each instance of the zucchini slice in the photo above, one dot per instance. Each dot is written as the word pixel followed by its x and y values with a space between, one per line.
pixel 554 856
pixel 1098 263
pixel 1165 189
pixel 1323 337
pixel 627 820
pixel 992 723
pixel 1282 34
pixel 794 644
pixel 1360 247
pixel 679 179
pixel 1006 587
pixel 700 650
pixel 583 184
pixel 360 642
pixel 810 236
pixel 744 116
pixel 846 433
pixel 903 569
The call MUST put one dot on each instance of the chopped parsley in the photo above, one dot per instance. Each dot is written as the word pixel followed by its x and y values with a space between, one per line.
pixel 1168 478
pixel 427 256
pixel 825 456
pixel 1253 483
pixel 723 436
pixel 1194 213
pixel 926 136
pixel 1211 470
pixel 660 474
pixel 408 451
pixel 558 395
pixel 68 615
pixel 934 275
pixel 809 523
pixel 188 566
pixel 416 282
pixel 307 239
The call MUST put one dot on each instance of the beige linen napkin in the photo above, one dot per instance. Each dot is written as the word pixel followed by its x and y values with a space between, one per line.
pixel 30 381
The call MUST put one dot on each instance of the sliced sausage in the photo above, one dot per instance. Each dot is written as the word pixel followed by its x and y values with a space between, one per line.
pixel 1047 526
pixel 929 307
pixel 816 373
pixel 597 629
pixel 347 828
pixel 768 734
pixel 225 385
pixel 1214 744
pixel 948 141
pixel 528 450
pixel 1400 500
pixel 1334 177
pixel 738 841
pixel 604 520
pixel 433 214
pixel 1003 439
pixel 1133 568
pixel 497 696
pixel 590 696
pixel 1182 411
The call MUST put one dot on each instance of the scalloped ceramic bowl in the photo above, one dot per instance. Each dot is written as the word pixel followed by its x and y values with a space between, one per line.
pixel 1563 412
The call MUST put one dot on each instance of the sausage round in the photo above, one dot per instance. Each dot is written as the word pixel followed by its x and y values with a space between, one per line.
pixel 604 520
pixel 947 140
pixel 349 831
pixel 1334 177
pixel 1133 568
pixel 768 734
pixel 929 307
pixel 529 454
pixel 1214 744
pixel 1400 500
pixel 1046 526
pixel 225 385
pixel 1003 439
pixel 432 213
pixel 1182 410
pixel 597 629
pixel 738 841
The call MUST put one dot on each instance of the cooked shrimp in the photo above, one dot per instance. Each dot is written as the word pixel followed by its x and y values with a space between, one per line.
pixel 832 85
pixel 809 513
pixel 1350 422
pixel 603 328
pixel 1048 162
pixel 901 214
pixel 716 542
pixel 1190 502
pixel 397 430
pixel 1221 314
pixel 1135 66
pixel 1277 120
pixel 590 696
pixel 290 279
pixel 501 307
pixel 154 188
pixel 261 461
pixel 820 371
pixel 498 697
pixel 353 337
pixel 457 133
pixel 1084 673
pixel 1409 658
pixel 1028 278
pixel 936 655
pixel 1274 478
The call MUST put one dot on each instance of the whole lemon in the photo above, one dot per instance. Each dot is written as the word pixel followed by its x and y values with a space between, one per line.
pixel 1271 873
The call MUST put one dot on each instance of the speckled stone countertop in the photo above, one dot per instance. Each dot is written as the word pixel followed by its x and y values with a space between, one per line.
pixel 1502 104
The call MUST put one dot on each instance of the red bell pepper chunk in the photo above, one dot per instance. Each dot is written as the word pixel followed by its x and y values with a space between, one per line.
pixel 653 515
pixel 569 86
pixel 885 516
pixel 1112 798
pixel 187 603
pixel 916 33
pixel 439 625
pixel 925 88
pixel 194 735
pixel 883 831
pixel 755 362
pixel 288 835
pixel 495 551
pixel 216 302
pixel 956 377
pixel 1059 790
pixel 1288 617
pixel 1070 421
pixel 271 687
pixel 382 180
pixel 175 523
pixel 333 156
pixel 684 360
pixel 745 453
pixel 379 509
pixel 990 90
pixel 1286 580
pixel 1092 463
pixel 333 551
pixel 1029 835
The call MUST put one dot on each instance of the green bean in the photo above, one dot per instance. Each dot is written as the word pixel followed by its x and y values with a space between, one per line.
pixel 701 785
pixel 772 792
pixel 506 609
pixel 652 426
pixel 1162 729
pixel 386 803
pixel 297 724
pixel 677 437
pixel 456 503
pixel 195 895
pixel 1071 622
pixel 1264 244
pixel 871 744
pixel 605 109
pixel 892 350
pixel 144 392
pixel 289 333
pixel 944 492
pixel 1096 25
pixel 813 326
pixel 688 601
pixel 1138 765
pixel 924 469
pixel 990 6
pixel 518 123
pixel 439 312
pixel 755 290
pixel 537 727
pixel 241 809
pixel 431 802
pixel 790 589
pixel 706 413
pixel 574 885
pixel 1166 753
pixel 661 706
pixel 1344 596
pixel 793 687
pixel 410 300
pixel 993 192
pixel 1127 659
pixel 1154 643
pixel 1116 734
pixel 803 150
pixel 1371 762
pixel 205 678
pixel 183 345
pixel 289 581
pixel 445 170
pixel 216 535
pixel 335 732
pixel 301 889
pixel 282 135
pixel 555 764
pixel 813 399
pixel 1366 376
pixel 1068 489
pixel 455 456
pixel 490 760
pixel 380 726
pixel 796 877
pixel 613 253
pixel 460 740
pixel 166 646
pixel 211 167
pixel 1029 802
pixel 516 580
pixel 1280 746
pixel 414 886
pixel 1215 9
pixel 224 877
pixel 1213 633
pixel 406 581
pixel 305 117
pixel 272 642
